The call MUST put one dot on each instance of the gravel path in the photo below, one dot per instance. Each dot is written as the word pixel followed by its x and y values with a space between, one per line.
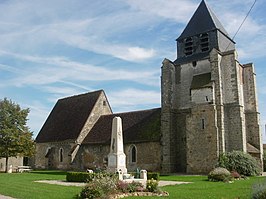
pixel 5 197
pixel 59 182
pixel 65 183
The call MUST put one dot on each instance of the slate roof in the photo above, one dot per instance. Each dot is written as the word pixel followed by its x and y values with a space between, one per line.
pixel 203 20
pixel 138 126
pixel 68 117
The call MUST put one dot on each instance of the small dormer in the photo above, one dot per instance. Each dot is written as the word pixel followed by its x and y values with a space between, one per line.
pixel 203 33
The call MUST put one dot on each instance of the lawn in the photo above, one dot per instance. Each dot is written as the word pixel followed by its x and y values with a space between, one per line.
pixel 202 189
pixel 23 186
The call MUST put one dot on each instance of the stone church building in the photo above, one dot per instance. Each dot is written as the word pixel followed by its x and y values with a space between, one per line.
pixel 208 106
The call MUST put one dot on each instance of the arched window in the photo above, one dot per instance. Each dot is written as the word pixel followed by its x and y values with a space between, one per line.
pixel 48 152
pixel 133 154
pixel 60 155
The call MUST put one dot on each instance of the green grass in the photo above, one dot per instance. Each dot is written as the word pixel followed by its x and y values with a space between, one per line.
pixel 23 186
pixel 202 189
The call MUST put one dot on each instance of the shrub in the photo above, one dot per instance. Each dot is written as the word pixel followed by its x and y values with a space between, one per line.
pixel 129 187
pixel 219 174
pixel 91 191
pixel 240 162
pixel 259 190
pixel 106 183
pixel 223 161
pixel 264 160
pixel 122 186
pixel 99 187
pixel 135 186
pixel 153 175
pixel 234 174
pixel 79 176
pixel 152 185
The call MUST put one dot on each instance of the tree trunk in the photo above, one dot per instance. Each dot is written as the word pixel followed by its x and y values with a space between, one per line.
pixel 6 165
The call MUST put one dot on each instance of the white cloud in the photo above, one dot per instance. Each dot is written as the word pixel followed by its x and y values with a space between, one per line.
pixel 63 91
pixel 178 10
pixel 138 53
pixel 30 30
pixel 122 51
pixel 38 113
pixel 131 99
pixel 7 68
pixel 79 86
pixel 60 69
pixel 251 39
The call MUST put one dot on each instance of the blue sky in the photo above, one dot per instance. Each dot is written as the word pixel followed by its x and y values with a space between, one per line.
pixel 51 49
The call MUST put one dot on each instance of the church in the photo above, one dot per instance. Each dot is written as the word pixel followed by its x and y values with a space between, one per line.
pixel 208 106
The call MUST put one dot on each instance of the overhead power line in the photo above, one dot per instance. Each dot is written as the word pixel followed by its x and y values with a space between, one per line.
pixel 245 19
pixel 243 22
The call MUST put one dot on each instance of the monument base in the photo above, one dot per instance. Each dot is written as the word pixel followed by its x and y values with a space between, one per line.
pixel 117 163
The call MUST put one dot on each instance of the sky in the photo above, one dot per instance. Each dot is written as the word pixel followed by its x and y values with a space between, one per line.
pixel 51 49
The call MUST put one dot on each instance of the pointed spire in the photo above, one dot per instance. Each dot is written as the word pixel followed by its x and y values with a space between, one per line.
pixel 203 20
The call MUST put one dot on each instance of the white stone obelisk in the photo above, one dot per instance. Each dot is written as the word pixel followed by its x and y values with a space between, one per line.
pixel 117 157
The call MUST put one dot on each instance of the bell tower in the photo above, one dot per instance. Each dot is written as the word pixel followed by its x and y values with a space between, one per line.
pixel 205 97
pixel 203 33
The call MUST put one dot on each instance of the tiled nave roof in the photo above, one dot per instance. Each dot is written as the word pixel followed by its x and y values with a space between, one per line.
pixel 68 117
pixel 137 126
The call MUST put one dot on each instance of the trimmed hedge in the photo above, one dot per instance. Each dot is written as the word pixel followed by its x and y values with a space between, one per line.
pixel 79 176
pixel 86 177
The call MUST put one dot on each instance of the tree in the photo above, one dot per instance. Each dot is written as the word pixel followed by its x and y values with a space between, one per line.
pixel 15 137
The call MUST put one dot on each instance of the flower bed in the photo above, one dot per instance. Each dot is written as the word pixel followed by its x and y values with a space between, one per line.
pixel 123 195
pixel 104 186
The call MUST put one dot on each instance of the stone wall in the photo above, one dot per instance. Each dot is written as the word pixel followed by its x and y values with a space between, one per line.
pixel 235 128
pixel 176 97
pixel 148 156
pixel 185 72
pixel 202 139
pixel 43 160
pixel 254 135
pixel 217 79
pixel 167 100
pixel 180 122
pixel 14 161
pixel 250 91
pixel 96 156
pixel 203 95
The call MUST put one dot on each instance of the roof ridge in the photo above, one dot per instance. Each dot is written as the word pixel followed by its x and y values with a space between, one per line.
pixel 78 95
pixel 121 113
pixel 68 117
pixel 216 21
